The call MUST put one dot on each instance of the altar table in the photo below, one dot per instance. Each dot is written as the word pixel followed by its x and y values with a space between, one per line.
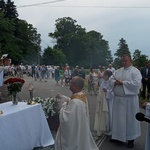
pixel 147 144
pixel 23 127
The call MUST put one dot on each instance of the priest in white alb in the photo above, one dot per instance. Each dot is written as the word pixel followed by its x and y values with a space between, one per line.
pixel 127 83
pixel 74 131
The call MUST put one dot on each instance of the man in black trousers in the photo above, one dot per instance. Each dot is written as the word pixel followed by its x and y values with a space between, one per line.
pixel 145 72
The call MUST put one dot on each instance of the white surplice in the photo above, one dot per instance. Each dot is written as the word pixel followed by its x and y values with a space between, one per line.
pixel 101 114
pixel 74 131
pixel 109 99
pixel 126 104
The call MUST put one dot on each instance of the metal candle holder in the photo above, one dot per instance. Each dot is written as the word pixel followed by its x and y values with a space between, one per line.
pixel 31 87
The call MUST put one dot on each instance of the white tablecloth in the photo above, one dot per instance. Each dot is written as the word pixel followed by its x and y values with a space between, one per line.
pixel 147 145
pixel 23 127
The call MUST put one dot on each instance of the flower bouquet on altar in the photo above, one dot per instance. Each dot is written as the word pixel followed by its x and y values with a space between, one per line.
pixel 50 105
pixel 51 108
pixel 14 86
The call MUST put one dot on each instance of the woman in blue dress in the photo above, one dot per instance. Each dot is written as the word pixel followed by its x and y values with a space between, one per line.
pixel 57 75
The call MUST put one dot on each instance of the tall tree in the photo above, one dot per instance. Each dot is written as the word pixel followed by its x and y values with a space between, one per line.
pixel 10 10
pixel 2 6
pixel 123 49
pixel 7 37
pixel 68 40
pixel 98 49
pixel 80 47
pixel 139 59
pixel 18 38
pixel 28 41
pixel 8 14
pixel 136 54
pixel 53 57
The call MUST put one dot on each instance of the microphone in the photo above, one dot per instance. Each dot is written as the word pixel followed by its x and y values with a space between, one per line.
pixel 141 117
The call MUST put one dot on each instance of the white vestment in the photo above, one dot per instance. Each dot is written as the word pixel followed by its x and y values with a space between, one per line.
pixel 74 131
pixel 101 114
pixel 147 143
pixel 126 104
pixel 109 99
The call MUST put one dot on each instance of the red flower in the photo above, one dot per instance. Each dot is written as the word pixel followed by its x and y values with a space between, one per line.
pixel 13 80
pixel 14 85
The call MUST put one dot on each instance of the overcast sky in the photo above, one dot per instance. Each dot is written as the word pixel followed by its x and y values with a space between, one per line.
pixel 114 19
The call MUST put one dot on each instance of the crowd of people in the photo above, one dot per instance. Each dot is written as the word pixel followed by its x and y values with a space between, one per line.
pixel 95 78
pixel 117 92
pixel 61 74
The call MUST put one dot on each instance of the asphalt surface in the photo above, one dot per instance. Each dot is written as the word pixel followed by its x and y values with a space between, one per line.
pixel 49 89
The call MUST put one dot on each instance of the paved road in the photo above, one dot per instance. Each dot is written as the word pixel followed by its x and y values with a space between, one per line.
pixel 45 89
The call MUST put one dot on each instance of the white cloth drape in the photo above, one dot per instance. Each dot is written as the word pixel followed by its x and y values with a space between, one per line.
pixel 23 127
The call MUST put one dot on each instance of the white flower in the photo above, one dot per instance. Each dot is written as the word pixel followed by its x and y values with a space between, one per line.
pixel 50 105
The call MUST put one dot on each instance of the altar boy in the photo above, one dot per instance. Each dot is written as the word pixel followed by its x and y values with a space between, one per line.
pixel 103 114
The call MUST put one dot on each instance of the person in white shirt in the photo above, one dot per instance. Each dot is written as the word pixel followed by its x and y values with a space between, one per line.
pixel 111 68
pixel 67 75
pixel 100 75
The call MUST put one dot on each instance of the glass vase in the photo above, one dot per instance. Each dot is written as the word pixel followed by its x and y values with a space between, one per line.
pixel 14 99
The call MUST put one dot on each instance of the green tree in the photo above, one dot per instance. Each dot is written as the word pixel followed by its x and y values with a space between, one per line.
pixel 80 47
pixel 68 36
pixel 53 57
pixel 97 50
pixel 10 10
pixel 8 14
pixel 28 43
pixel 18 38
pixel 117 63
pixel 7 37
pixel 123 49
pixel 2 6
pixel 136 54
pixel 33 48
pixel 139 59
